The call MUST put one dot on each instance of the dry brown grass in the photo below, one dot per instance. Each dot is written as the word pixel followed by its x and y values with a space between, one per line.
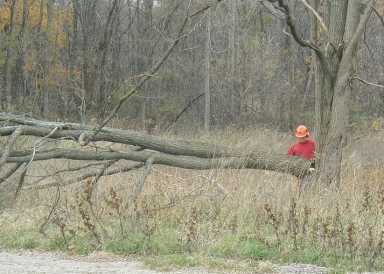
pixel 206 207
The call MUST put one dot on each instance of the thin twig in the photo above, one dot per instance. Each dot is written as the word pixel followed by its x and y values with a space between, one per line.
pixel 378 15
pixel 53 208
pixel 43 178
pixel 35 148
pixel 205 8
pixel 38 144
pixel 368 83
pixel 85 176
pixel 316 14
pixel 190 103
pixel 92 195
pixel 100 174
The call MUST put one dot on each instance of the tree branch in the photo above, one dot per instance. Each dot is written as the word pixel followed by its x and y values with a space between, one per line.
pixel 290 20
pixel 352 45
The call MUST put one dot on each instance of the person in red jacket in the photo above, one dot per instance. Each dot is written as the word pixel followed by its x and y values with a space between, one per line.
pixel 304 147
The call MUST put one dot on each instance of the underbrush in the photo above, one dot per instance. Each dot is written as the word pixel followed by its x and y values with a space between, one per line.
pixel 222 219
pixel 343 231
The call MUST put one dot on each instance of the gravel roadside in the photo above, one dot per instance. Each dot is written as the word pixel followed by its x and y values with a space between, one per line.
pixel 52 263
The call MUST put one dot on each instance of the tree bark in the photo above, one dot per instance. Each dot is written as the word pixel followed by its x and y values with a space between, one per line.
pixel 326 73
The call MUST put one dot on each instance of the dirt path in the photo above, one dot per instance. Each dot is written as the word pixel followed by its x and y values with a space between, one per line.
pixel 38 263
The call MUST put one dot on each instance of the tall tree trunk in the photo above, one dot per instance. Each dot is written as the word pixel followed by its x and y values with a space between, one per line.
pixel 144 48
pixel 291 92
pixel 10 56
pixel 23 47
pixel 87 13
pixel 260 66
pixel 326 76
pixel 233 53
pixel 207 112
pixel 317 78
pixel 47 58
pixel 347 39
pixel 72 54
pixel 102 54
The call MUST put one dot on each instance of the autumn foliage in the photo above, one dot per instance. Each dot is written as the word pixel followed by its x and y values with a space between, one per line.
pixel 34 37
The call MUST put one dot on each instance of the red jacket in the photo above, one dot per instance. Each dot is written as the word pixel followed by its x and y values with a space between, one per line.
pixel 304 150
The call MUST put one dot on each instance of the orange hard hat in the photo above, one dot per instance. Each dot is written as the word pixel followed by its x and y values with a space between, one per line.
pixel 301 132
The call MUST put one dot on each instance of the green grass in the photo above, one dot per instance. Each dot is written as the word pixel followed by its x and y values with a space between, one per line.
pixel 232 246
pixel 164 251
pixel 21 239
pixel 56 243
pixel 132 244
pixel 252 249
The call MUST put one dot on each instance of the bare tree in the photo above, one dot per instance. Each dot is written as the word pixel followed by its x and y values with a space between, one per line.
pixel 207 113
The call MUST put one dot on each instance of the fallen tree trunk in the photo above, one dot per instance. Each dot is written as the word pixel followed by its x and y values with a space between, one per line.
pixel 176 153
pixel 272 163
pixel 72 130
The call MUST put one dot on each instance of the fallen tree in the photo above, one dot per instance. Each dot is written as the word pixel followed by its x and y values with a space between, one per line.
pixel 142 148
